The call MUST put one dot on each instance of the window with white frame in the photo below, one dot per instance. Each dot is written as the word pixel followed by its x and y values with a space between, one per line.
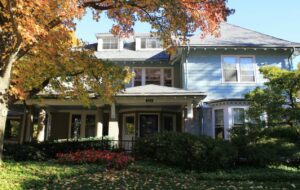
pixel 238 68
pixel 238 117
pixel 150 43
pixel 110 43
pixel 219 123
pixel 153 75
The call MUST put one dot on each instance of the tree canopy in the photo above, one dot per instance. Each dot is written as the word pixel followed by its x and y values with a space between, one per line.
pixel 278 99
pixel 35 33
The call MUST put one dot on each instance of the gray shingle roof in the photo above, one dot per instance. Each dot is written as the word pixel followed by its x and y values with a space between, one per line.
pixel 132 55
pixel 156 90
pixel 232 35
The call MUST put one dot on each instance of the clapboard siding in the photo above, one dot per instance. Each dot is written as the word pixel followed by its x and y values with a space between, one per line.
pixel 203 71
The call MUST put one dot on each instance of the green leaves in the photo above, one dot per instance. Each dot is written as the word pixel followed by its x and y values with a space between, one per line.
pixel 278 98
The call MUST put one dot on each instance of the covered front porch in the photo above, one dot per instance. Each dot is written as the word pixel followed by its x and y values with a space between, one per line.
pixel 136 112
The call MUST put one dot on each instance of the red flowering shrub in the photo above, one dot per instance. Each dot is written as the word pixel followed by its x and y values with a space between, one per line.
pixel 115 160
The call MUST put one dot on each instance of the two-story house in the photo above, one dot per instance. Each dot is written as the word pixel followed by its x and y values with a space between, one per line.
pixel 199 90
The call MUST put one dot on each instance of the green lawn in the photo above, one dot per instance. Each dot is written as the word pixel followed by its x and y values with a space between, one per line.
pixel 49 175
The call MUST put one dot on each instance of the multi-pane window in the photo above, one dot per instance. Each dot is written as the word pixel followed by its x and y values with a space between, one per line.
pixel 110 43
pixel 157 76
pixel 238 69
pixel 238 117
pixel 150 43
pixel 153 76
pixel 219 123
pixel 137 77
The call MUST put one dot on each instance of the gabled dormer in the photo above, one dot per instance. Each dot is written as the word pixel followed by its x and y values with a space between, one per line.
pixel 109 42
pixel 144 41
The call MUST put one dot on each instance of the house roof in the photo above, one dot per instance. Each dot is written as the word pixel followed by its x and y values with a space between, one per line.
pixel 156 90
pixel 132 55
pixel 236 36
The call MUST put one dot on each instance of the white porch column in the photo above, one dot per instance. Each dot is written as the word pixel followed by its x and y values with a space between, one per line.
pixel 41 125
pixel 113 125
pixel 99 127
pixel 188 120
pixel 190 111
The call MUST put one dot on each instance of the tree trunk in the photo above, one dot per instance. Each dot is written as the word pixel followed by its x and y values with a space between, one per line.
pixel 4 85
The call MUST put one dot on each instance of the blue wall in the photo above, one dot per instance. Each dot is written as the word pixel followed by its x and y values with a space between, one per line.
pixel 202 71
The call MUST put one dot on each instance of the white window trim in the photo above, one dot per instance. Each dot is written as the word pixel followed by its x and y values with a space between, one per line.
pixel 143 49
pixel 124 119
pixel 161 75
pixel 118 45
pixel 238 70
pixel 83 114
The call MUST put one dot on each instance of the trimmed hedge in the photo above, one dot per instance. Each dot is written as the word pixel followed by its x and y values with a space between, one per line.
pixel 49 150
pixel 186 151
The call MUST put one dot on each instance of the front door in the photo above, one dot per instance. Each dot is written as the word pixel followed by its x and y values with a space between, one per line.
pixel 128 131
pixel 148 124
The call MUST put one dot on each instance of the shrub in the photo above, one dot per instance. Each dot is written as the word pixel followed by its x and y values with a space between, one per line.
pixel 263 146
pixel 24 153
pixel 116 160
pixel 48 150
pixel 185 150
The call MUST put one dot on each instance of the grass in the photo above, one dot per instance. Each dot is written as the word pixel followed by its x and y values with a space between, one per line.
pixel 50 175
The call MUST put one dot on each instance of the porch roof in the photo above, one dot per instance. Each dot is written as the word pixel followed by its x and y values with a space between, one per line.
pixel 157 90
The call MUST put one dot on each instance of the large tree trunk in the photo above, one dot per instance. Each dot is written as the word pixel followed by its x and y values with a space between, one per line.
pixel 4 85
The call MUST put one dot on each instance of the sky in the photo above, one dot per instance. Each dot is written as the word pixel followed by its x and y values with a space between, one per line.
pixel 278 18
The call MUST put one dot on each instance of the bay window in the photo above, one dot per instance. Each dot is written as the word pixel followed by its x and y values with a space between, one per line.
pixel 238 68
pixel 238 117
pixel 219 123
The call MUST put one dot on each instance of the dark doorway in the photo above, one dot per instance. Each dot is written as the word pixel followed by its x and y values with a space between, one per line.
pixel 148 125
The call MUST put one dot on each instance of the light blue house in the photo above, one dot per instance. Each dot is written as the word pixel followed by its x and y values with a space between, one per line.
pixel 199 90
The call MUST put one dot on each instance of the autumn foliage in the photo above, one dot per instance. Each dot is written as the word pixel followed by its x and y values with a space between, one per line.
pixel 116 160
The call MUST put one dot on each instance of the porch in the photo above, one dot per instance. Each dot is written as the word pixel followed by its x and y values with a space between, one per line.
pixel 137 112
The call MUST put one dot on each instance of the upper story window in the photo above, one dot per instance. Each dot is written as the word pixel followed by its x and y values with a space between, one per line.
pixel 150 43
pixel 152 75
pixel 238 68
pixel 110 43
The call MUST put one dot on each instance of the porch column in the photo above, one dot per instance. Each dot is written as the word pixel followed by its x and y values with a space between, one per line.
pixel 41 125
pixel 99 126
pixel 29 123
pixel 48 125
pixel 113 125
pixel 23 127
pixel 188 120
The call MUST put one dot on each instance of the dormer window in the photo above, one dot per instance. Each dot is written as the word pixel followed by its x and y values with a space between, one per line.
pixel 110 43
pixel 150 43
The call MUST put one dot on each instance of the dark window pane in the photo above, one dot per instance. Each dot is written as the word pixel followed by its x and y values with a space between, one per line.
pixel 90 126
pixel 219 123
pixel 153 76
pixel 168 123
pixel 105 123
pixel 168 78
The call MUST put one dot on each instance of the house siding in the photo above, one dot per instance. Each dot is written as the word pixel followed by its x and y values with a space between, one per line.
pixel 203 71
